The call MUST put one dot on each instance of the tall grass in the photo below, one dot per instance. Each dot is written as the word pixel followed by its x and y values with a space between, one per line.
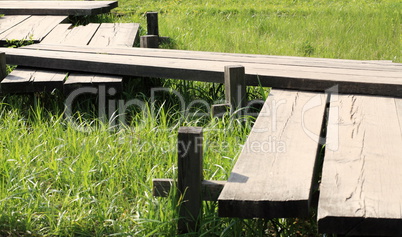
pixel 85 178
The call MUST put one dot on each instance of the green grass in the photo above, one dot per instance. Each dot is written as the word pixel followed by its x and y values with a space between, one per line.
pixel 85 178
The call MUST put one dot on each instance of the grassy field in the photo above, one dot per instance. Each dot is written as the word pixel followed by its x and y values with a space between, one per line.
pixel 88 178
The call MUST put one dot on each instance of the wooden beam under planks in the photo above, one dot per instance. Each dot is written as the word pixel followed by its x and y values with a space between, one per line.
pixel 274 174
pixel 360 77
pixel 361 186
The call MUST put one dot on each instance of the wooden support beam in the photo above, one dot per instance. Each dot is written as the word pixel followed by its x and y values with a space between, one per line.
pixel 235 87
pixel 219 110
pixel 149 41
pixel 190 159
pixel 210 189
pixel 152 23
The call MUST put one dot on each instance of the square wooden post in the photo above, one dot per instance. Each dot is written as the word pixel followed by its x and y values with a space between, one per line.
pixel 3 68
pixel 190 176
pixel 152 23
pixel 235 87
pixel 235 91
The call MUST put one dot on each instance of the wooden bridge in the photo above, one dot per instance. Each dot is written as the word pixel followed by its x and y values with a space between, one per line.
pixel 353 107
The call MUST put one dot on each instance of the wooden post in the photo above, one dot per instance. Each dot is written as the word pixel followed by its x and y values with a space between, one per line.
pixel 235 87
pixel 152 23
pixel 190 159
pixel 149 41
pixel 3 69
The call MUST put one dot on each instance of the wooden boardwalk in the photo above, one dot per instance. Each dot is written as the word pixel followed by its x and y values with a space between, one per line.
pixel 28 80
pixel 309 74
pixel 351 106
pixel 26 27
pixel 65 8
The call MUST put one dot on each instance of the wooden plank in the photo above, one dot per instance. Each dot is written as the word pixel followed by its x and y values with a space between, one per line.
pixel 34 28
pixel 277 76
pixel 108 34
pixel 64 34
pixel 372 65
pixel 274 173
pixel 77 80
pixel 7 22
pixel 22 80
pixel 360 191
pixel 56 7
pixel 116 35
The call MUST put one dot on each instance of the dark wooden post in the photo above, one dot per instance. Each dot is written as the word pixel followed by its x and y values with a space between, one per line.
pixel 235 91
pixel 190 159
pixel 149 41
pixel 235 87
pixel 152 23
pixel 3 69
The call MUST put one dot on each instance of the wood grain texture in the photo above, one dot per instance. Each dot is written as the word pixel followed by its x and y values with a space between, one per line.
pixel 7 22
pixel 310 78
pixel 189 177
pixel 108 34
pixel 273 175
pixel 65 34
pixel 116 35
pixel 27 80
pixel 361 187
pixel 372 65
pixel 34 28
pixel 78 8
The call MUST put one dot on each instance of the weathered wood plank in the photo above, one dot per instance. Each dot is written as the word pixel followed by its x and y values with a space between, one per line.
pixel 7 22
pixel 108 34
pixel 372 65
pixel 77 80
pixel 116 35
pixel 277 76
pixel 65 34
pixel 56 7
pixel 360 191
pixel 34 28
pixel 27 80
pixel 274 173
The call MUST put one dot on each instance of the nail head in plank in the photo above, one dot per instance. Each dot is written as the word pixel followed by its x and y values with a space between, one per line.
pixel 274 173
pixel 360 191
